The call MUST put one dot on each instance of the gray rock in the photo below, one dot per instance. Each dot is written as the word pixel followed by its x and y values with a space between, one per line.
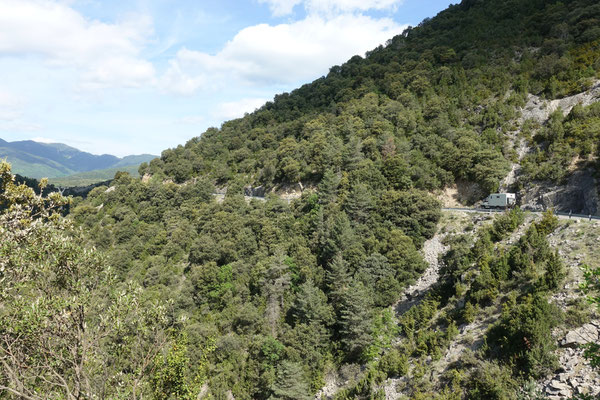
pixel 258 191
pixel 587 333
pixel 559 386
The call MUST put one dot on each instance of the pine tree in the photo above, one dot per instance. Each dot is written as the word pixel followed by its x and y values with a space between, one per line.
pixel 555 272
pixel 377 274
pixel 338 279
pixel 275 282
pixel 290 383
pixel 328 187
pixel 311 305
pixel 359 203
pixel 355 320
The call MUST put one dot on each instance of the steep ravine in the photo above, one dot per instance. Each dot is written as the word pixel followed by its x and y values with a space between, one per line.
pixel 576 242
pixel 412 295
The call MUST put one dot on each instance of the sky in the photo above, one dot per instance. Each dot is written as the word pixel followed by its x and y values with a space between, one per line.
pixel 139 76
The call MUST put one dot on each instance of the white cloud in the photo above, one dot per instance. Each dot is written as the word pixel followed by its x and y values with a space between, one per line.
pixel 281 7
pixel 18 126
pixel 328 7
pixel 105 54
pixel 10 106
pixel 236 109
pixel 281 54
pixel 41 139
pixel 11 113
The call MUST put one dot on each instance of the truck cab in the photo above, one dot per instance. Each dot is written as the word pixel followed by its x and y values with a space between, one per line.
pixel 500 200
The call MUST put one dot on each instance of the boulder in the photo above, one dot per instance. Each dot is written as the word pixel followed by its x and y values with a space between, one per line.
pixel 559 386
pixel 585 334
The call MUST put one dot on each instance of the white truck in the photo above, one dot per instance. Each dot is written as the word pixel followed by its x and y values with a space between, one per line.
pixel 500 200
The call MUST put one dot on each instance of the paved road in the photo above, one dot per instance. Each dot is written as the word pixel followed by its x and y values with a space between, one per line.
pixel 561 215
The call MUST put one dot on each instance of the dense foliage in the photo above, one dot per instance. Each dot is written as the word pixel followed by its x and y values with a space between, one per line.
pixel 276 294
pixel 480 274
pixel 278 291
pixel 266 297
pixel 68 328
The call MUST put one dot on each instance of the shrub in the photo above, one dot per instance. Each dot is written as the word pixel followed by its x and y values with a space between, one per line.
pixel 523 335
pixel 394 364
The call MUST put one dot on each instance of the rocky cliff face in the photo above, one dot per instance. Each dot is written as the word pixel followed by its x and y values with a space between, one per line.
pixel 539 109
pixel 579 194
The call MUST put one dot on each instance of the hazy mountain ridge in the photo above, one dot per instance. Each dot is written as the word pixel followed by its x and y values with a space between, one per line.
pixel 83 179
pixel 51 160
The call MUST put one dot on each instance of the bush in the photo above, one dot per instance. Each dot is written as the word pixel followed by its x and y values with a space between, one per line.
pixel 523 335
pixel 506 223
pixel 490 381
pixel 547 224
pixel 394 364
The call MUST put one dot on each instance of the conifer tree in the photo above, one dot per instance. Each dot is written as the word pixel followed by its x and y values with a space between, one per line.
pixel 359 203
pixel 328 187
pixel 290 383
pixel 338 280
pixel 355 320
pixel 311 305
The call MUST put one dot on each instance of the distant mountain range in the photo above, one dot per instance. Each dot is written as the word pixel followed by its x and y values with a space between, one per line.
pixel 54 160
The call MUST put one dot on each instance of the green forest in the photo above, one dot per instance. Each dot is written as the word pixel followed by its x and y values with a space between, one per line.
pixel 151 288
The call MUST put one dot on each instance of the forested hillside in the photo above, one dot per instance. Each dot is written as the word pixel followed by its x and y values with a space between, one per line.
pixel 433 106
pixel 266 299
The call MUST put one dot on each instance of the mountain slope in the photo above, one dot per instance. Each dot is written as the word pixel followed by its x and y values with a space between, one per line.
pixel 436 105
pixel 38 160
pixel 272 297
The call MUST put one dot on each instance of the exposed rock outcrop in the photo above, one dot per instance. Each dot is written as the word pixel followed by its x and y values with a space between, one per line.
pixel 539 109
pixel 576 376
pixel 515 168
pixel 258 191
pixel 579 195
pixel 580 336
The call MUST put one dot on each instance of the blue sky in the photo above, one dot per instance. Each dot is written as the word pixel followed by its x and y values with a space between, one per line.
pixel 139 76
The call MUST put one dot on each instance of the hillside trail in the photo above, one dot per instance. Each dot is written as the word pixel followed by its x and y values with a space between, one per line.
pixel 413 295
